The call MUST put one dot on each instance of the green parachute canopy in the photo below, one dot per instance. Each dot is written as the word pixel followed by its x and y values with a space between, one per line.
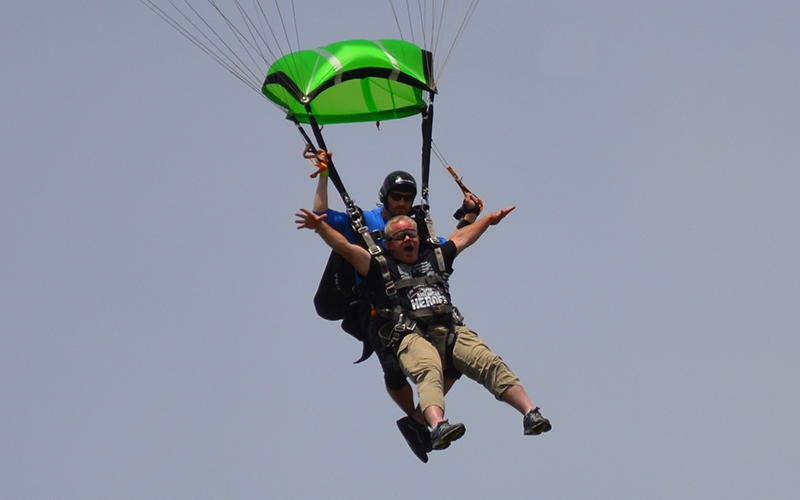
pixel 351 81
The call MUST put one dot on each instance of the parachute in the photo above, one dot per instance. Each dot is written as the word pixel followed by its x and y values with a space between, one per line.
pixel 344 82
pixel 254 38
pixel 351 81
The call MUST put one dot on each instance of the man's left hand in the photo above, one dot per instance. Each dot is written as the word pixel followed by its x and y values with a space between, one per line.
pixel 310 220
pixel 496 217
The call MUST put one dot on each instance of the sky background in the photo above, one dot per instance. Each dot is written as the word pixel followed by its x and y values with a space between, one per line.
pixel 157 335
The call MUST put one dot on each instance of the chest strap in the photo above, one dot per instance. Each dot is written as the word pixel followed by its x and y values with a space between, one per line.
pixel 433 279
pixel 421 314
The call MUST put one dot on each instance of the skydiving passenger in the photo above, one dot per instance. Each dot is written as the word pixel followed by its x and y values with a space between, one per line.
pixel 396 196
pixel 416 323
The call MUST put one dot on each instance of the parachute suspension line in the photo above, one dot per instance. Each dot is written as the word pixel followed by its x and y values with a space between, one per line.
pixel 433 31
pixel 216 53
pixel 283 26
pixel 262 20
pixel 243 40
pixel 286 34
pixel 430 17
pixel 459 180
pixel 423 25
pixel 241 66
pixel 296 31
pixel 261 16
pixel 438 154
pixel 297 35
pixel 241 47
pixel 252 41
pixel 435 42
pixel 428 24
pixel 467 16
pixel 396 20
pixel 410 24
pixel 256 31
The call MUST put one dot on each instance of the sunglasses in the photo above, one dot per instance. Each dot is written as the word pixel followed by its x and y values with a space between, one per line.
pixel 408 198
pixel 401 235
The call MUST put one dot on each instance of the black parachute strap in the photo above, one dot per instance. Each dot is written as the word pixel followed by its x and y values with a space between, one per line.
pixel 356 217
pixel 442 268
pixel 333 174
pixel 355 214
pixel 427 144
pixel 402 325
pixel 430 311
pixel 434 279
pixel 452 334
pixel 450 344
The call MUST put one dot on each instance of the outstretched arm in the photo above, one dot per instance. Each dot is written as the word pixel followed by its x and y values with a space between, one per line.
pixel 357 256
pixel 465 237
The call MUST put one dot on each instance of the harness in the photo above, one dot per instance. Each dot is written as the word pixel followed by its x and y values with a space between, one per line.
pixel 401 322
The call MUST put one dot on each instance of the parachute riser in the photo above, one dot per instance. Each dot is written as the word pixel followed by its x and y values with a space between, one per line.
pixel 333 174
pixel 353 212
pixel 427 144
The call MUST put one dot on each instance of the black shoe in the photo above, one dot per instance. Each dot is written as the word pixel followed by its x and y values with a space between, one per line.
pixel 445 433
pixel 533 423
pixel 417 436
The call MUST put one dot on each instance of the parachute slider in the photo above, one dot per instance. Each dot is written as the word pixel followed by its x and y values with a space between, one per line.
pixel 317 158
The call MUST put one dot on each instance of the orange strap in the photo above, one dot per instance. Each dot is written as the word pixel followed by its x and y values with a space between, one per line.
pixel 464 188
pixel 314 157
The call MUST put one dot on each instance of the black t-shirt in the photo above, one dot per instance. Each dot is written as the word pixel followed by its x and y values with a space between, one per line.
pixel 418 296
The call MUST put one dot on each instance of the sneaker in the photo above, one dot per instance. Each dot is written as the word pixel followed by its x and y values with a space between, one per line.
pixel 533 423
pixel 417 436
pixel 445 433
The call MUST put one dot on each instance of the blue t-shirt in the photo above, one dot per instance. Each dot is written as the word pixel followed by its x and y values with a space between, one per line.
pixel 340 222
pixel 373 218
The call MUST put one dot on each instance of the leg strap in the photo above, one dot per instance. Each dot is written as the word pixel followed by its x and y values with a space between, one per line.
pixel 450 344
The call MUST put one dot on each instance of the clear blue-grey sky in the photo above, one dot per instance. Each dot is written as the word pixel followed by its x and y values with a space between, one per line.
pixel 157 336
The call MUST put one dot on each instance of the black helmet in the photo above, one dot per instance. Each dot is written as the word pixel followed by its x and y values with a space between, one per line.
pixel 397 181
